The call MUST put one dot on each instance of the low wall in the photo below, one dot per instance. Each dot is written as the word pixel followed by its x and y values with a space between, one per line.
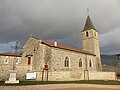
pixel 76 75
pixel 59 75
pixel 63 76
pixel 102 76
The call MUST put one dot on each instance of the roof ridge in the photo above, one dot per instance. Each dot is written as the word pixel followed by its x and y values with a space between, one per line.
pixel 10 54
pixel 34 37
pixel 66 47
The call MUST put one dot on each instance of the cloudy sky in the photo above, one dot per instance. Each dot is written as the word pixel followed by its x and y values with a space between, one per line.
pixel 61 20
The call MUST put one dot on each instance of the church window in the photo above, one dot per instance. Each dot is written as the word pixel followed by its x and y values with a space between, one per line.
pixel 87 34
pixel 29 60
pixel 90 63
pixel 66 62
pixel 6 60
pixel 80 62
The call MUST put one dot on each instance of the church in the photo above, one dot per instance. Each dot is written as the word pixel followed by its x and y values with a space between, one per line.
pixel 51 61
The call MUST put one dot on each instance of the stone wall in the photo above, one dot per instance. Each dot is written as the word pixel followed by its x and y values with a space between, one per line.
pixel 77 75
pixel 38 58
pixel 91 43
pixel 61 76
pixel 5 67
pixel 4 71
pixel 9 60
pixel 39 53
pixel 28 49
pixel 59 55
pixel 22 70
pixel 102 76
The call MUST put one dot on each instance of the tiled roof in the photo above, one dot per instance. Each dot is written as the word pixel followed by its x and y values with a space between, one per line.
pixel 66 47
pixel 10 54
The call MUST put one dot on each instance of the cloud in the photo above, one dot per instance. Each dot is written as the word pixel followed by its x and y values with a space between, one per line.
pixel 7 46
pixel 109 42
pixel 56 19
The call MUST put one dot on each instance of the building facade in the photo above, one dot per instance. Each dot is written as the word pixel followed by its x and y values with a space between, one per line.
pixel 53 61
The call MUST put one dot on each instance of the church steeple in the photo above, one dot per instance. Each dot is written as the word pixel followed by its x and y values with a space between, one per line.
pixel 88 24
pixel 90 41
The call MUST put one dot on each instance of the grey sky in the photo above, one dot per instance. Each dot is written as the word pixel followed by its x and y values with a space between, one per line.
pixel 61 20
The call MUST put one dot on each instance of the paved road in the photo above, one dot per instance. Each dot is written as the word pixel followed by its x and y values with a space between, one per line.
pixel 62 87
pixel 85 88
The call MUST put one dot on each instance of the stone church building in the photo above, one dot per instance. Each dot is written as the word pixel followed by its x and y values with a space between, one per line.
pixel 53 61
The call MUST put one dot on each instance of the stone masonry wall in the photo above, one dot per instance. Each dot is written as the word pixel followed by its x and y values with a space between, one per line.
pixel 5 67
pixel 102 76
pixel 59 55
pixel 76 75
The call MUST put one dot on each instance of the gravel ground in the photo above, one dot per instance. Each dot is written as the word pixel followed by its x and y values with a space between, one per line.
pixel 84 88
pixel 62 86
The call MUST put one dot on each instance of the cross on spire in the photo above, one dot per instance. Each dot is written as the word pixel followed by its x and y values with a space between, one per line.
pixel 88 11
pixel 88 24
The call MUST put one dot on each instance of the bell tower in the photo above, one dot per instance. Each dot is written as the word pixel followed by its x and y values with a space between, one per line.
pixel 90 41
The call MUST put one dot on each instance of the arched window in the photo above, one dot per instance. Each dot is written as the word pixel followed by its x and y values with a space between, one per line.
pixel 90 63
pixel 66 62
pixel 80 62
pixel 87 34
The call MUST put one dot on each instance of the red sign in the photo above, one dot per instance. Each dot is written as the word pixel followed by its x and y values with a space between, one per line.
pixel 45 66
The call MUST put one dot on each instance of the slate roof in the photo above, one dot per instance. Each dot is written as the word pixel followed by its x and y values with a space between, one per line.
pixel 51 44
pixel 10 54
pixel 88 24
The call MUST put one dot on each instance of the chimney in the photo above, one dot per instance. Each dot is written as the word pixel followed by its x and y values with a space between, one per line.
pixel 55 43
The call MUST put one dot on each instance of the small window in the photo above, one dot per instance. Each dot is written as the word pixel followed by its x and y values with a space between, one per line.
pixel 90 63
pixel 87 34
pixel 17 60
pixel 80 62
pixel 66 62
pixel 29 60
pixel 6 60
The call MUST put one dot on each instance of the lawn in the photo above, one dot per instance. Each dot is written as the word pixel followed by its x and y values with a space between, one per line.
pixel 101 82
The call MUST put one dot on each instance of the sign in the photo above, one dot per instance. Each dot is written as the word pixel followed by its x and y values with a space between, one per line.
pixel 46 66
pixel 31 75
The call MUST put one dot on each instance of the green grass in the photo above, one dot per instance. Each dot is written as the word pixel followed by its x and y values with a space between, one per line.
pixel 101 82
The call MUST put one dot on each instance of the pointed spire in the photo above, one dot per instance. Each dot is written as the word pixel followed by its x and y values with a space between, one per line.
pixel 88 25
